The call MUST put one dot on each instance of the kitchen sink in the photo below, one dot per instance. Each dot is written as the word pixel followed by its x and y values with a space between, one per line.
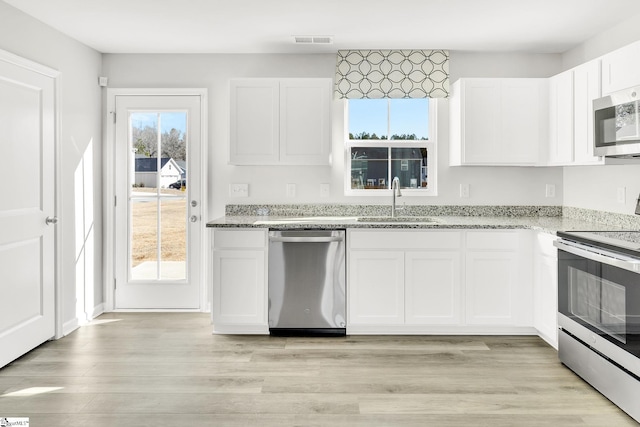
pixel 413 219
pixel 308 220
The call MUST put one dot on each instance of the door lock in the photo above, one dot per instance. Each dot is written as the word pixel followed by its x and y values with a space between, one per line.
pixel 194 203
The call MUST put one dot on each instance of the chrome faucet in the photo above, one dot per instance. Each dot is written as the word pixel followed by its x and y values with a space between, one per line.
pixel 395 192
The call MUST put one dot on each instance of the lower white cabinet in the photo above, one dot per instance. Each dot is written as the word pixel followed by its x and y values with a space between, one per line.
pixel 498 285
pixel 376 287
pixel 239 281
pixel 546 287
pixel 474 281
pixel 400 281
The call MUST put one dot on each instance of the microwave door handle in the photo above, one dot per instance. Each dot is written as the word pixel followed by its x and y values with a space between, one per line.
pixel 625 264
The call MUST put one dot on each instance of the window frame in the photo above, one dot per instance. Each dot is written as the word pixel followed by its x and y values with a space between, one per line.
pixel 430 144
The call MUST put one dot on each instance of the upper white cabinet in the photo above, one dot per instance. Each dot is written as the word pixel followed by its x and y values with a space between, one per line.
pixel 571 95
pixel 498 121
pixel 586 88
pixel 280 121
pixel 561 118
pixel 621 69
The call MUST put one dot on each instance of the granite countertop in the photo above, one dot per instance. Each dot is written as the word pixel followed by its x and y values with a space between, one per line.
pixel 546 224
pixel 550 219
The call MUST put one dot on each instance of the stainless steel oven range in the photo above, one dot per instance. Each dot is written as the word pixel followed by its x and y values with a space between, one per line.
pixel 599 312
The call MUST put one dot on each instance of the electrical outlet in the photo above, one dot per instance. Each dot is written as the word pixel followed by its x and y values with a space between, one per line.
pixel 464 190
pixel 324 190
pixel 291 190
pixel 550 190
pixel 238 190
pixel 621 195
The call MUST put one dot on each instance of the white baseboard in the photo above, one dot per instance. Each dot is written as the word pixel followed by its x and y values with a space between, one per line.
pixel 97 311
pixel 70 326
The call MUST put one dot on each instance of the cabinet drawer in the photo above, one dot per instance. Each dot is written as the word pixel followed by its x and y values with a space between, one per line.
pixel 239 238
pixel 409 239
pixel 492 239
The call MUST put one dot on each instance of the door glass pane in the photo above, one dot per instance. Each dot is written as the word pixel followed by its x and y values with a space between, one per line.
pixel 158 198
pixel 144 238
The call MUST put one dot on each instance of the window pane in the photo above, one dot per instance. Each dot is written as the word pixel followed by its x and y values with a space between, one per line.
pixel 368 118
pixel 144 239
pixel 410 165
pixel 173 228
pixel 409 118
pixel 369 167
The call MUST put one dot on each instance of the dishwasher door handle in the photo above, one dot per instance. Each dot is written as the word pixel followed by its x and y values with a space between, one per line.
pixel 306 239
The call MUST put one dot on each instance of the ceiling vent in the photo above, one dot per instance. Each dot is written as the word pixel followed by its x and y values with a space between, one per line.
pixel 313 39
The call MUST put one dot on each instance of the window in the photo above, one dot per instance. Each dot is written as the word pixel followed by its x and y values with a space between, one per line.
pixel 390 138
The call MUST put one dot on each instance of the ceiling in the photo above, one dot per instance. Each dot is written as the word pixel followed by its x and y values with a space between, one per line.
pixel 267 26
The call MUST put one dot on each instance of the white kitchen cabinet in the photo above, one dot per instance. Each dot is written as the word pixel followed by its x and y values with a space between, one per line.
pixel 432 287
pixel 498 283
pixel 239 281
pixel 376 287
pixel 571 95
pixel 586 88
pixel 403 279
pixel 621 68
pixel 561 125
pixel 546 287
pixel 498 121
pixel 280 121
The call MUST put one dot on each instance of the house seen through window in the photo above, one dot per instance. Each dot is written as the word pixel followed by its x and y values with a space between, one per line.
pixel 390 138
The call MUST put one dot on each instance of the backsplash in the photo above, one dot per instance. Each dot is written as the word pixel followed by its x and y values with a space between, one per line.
pixel 615 220
pixel 380 210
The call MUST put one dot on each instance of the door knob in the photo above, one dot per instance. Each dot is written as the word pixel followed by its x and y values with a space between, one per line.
pixel 51 220
pixel 193 218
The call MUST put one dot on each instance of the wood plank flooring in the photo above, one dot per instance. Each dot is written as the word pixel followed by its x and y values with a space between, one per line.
pixel 155 369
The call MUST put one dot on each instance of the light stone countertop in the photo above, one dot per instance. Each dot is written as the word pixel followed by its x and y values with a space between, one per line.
pixel 550 224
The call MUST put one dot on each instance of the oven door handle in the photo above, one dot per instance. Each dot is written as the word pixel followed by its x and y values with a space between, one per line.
pixel 305 239
pixel 609 258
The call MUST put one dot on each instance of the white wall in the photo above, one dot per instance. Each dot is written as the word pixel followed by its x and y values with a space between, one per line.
pixel 267 184
pixel 80 148
pixel 596 187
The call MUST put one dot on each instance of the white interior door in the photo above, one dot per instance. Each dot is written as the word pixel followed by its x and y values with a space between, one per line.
pixel 158 144
pixel 27 239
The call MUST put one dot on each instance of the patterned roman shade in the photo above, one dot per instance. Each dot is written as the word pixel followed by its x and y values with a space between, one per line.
pixel 392 74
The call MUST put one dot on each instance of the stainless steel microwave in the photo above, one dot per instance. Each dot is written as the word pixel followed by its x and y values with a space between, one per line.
pixel 617 124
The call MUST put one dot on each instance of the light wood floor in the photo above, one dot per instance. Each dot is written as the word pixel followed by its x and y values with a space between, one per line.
pixel 132 369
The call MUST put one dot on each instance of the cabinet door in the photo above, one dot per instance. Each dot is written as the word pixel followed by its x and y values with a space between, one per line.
pixel 432 288
pixel 621 69
pixel 254 122
pixel 480 133
pixel 376 288
pixel 561 119
pixel 305 121
pixel 546 289
pixel 586 88
pixel 522 122
pixel 239 287
pixel 490 281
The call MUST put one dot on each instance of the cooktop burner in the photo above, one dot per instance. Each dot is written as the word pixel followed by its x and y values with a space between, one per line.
pixel 625 241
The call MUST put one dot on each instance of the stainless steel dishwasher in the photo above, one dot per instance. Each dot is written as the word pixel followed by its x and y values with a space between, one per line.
pixel 307 282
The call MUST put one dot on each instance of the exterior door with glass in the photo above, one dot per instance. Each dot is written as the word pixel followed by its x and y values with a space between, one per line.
pixel 158 144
